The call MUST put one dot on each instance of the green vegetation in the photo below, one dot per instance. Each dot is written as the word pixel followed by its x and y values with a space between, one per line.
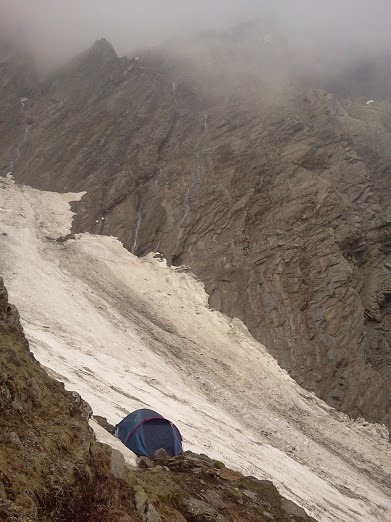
pixel 174 498
pixel 265 490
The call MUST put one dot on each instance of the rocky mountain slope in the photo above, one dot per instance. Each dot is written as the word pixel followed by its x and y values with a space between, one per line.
pixel 52 468
pixel 278 199
pixel 128 332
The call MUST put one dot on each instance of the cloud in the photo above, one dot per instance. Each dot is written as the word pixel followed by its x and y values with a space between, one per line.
pixel 57 29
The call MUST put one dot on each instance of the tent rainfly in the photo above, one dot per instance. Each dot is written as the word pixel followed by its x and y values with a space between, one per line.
pixel 145 431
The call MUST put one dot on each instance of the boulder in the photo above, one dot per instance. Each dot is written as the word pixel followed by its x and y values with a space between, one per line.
pixel 85 408
pixel 117 464
pixel 214 499
pixel 14 438
pixel 249 494
pixel 144 508
pixel 161 454
pixel 199 511
pixel 293 509
pixel 144 462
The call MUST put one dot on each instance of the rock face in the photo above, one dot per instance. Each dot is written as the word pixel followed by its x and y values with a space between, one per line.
pixel 8 313
pixel 281 206
pixel 17 80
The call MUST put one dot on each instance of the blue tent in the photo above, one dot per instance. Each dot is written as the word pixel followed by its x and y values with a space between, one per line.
pixel 145 431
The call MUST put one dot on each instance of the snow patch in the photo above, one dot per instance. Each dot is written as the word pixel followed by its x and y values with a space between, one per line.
pixel 128 333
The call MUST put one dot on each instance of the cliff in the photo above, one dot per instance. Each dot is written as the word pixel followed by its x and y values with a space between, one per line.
pixel 278 201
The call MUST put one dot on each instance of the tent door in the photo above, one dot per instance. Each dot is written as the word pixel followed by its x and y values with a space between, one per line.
pixel 158 434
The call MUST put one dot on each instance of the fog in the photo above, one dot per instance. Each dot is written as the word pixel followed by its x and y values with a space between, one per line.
pixel 54 30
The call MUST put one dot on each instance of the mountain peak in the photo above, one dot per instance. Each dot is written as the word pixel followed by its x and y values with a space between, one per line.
pixel 103 48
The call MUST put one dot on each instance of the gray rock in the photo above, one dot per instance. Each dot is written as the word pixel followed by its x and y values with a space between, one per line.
pixel 8 312
pixel 291 508
pixel 199 511
pixel 3 298
pixel 85 408
pixel 144 508
pixel 156 469
pixel 18 405
pixel 14 438
pixel 85 446
pixel 141 499
pixel 117 464
pixel 144 462
pixel 249 494
pixel 161 454
pixel 214 499
pixel 152 514
pixel 3 494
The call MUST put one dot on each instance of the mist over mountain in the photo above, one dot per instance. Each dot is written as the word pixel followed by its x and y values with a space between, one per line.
pixel 249 143
pixel 326 33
